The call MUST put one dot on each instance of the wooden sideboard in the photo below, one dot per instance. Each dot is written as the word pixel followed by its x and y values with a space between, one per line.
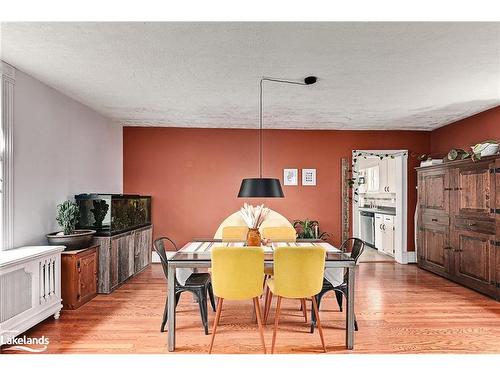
pixel 79 276
pixel 458 234
pixel 122 256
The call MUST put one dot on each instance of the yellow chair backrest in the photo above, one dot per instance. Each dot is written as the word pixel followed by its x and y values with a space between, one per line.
pixel 286 234
pixel 298 271
pixel 234 233
pixel 237 272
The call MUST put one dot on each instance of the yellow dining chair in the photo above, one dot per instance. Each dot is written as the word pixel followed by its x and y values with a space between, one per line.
pixel 283 234
pixel 234 233
pixel 298 274
pixel 237 274
pixel 280 234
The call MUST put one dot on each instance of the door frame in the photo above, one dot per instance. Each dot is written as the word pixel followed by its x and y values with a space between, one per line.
pixel 401 254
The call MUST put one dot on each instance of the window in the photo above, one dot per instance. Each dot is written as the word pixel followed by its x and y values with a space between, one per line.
pixel 6 161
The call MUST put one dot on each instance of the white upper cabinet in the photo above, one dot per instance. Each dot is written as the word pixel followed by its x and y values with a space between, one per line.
pixel 387 175
pixel 391 175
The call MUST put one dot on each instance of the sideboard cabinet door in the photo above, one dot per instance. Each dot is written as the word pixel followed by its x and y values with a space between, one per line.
pixel 88 276
pixel 473 193
pixel 433 192
pixel 434 249
pixel 474 259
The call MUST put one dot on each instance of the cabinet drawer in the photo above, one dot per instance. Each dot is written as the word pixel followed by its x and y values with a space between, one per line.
pixel 430 219
pixel 480 226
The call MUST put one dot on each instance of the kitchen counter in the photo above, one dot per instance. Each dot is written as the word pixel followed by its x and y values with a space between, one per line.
pixel 380 210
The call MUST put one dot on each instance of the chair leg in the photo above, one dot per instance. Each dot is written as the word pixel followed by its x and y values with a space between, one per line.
pixel 165 312
pixel 318 298
pixel 304 308
pixel 211 295
pixel 216 322
pixel 316 311
pixel 338 295
pixel 202 302
pixel 259 321
pixel 276 320
pixel 267 306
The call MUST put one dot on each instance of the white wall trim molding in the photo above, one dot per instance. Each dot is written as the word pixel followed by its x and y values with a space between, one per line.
pixel 7 114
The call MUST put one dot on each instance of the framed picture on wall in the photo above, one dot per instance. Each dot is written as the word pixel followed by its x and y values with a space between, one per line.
pixel 290 177
pixel 309 177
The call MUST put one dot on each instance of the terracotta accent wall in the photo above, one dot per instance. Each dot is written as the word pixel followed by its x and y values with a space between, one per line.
pixel 194 175
pixel 466 132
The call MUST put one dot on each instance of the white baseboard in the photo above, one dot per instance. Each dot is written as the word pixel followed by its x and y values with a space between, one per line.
pixel 411 257
pixel 155 258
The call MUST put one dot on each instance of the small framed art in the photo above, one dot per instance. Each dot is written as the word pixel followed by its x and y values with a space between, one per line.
pixel 309 177
pixel 290 177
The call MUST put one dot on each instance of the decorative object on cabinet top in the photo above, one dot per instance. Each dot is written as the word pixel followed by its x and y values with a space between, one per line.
pixel 67 217
pixel 111 214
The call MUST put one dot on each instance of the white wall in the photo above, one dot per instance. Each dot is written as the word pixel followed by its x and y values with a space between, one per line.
pixel 61 148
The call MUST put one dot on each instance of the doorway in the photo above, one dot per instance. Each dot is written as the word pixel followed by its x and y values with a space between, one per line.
pixel 380 205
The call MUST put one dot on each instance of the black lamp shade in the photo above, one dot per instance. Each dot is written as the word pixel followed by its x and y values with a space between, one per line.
pixel 260 188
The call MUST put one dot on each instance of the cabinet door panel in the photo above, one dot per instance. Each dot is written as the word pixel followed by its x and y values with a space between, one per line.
pixel 126 254
pixel 433 193
pixel 88 272
pixel 434 248
pixel 474 257
pixel 473 188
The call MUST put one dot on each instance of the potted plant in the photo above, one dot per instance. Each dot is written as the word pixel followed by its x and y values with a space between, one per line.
pixel 67 217
pixel 309 229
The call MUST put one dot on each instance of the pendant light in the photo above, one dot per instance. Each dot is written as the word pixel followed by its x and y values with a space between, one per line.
pixel 266 187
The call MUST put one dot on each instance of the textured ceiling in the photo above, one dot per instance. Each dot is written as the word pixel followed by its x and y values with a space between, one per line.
pixel 371 75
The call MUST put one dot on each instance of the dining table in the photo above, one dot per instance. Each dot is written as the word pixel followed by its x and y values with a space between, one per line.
pixel 197 254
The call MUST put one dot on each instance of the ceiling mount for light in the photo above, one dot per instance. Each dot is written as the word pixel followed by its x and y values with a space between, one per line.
pixel 310 80
pixel 267 187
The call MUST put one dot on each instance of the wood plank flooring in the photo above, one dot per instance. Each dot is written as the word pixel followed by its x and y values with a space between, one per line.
pixel 400 309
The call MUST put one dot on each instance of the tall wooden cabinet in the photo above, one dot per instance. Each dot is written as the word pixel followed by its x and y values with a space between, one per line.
pixel 123 255
pixel 459 222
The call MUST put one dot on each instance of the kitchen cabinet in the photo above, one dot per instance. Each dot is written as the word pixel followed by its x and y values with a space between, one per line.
pixel 384 233
pixel 379 232
pixel 459 222
pixel 388 241
pixel 387 175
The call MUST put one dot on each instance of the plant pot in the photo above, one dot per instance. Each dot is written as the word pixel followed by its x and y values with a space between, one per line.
pixel 81 239
pixel 253 237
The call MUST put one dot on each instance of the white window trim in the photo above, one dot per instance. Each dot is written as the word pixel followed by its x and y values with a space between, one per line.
pixel 7 117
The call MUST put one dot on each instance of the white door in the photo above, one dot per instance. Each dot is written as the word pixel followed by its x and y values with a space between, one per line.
pixel 379 232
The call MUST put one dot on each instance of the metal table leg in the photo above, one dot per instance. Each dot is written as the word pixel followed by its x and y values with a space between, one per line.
pixel 350 308
pixel 171 307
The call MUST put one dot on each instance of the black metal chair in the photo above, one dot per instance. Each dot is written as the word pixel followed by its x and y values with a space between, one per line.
pixel 355 247
pixel 198 284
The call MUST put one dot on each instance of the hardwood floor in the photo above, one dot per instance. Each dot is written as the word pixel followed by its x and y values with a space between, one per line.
pixel 400 309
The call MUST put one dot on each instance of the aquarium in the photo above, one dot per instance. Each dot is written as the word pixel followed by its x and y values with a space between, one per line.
pixel 110 214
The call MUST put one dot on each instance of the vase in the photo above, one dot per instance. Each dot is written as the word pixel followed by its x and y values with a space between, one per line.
pixel 253 237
